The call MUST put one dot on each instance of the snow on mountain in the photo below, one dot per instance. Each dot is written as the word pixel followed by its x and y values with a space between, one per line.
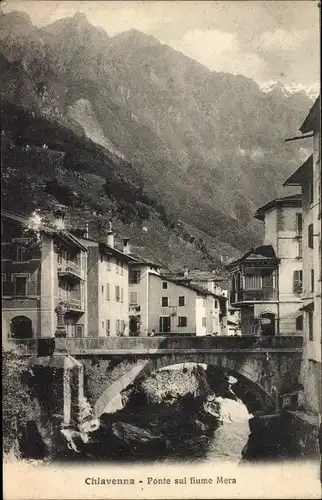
pixel 312 91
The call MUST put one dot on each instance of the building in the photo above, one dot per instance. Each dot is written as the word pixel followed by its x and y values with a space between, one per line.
pixel 217 308
pixel 108 286
pixel 178 308
pixel 187 303
pixel 233 321
pixel 266 283
pixel 40 268
pixel 308 177
pixel 140 270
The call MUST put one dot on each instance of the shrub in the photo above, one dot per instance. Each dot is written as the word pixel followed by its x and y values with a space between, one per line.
pixel 16 403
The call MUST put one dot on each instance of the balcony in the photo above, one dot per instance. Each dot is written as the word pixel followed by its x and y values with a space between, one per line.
pixel 256 295
pixel 75 304
pixel 69 269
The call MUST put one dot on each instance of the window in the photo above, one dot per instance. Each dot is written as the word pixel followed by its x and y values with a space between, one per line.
pixel 204 322
pixel 103 325
pixel 122 269
pixel 134 277
pixel 216 304
pixel 102 288
pixel 299 249
pixel 108 263
pixel 253 282
pixel 21 253
pixel 310 321
pixel 182 321
pixel 299 223
pixel 20 285
pixel 79 331
pixel 108 327
pixel 280 219
pixel 107 291
pixel 310 189
pixel 165 301
pixel 102 257
pixel 312 280
pixel 133 298
pixel 164 285
pixel 299 322
pixel 182 301
pixel 117 266
pixel 310 235
pixel 297 281
pixel 3 277
pixel 122 295
pixel 117 293
pixel 117 326
pixel 122 325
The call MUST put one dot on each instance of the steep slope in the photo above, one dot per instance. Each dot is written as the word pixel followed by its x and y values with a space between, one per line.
pixel 208 146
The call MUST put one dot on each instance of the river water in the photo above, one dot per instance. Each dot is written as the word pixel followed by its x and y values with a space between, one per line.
pixel 229 438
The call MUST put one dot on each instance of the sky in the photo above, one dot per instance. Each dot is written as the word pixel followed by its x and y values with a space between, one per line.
pixel 272 40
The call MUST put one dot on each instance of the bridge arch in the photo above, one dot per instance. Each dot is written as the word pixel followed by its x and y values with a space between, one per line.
pixel 253 371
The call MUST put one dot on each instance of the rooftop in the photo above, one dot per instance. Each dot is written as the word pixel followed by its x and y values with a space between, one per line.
pixel 303 173
pixel 45 228
pixel 262 253
pixel 313 117
pixel 287 201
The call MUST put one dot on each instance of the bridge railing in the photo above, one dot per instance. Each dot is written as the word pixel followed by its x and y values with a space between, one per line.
pixel 155 344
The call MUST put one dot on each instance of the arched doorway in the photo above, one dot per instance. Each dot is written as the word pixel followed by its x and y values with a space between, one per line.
pixel 268 324
pixel 21 328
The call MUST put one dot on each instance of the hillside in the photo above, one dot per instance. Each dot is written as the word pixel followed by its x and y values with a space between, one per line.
pixel 204 148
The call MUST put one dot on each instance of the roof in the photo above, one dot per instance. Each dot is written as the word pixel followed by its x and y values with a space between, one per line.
pixel 114 251
pixel 304 172
pixel 61 233
pixel 191 286
pixel 262 253
pixel 312 118
pixel 199 275
pixel 290 201
pixel 186 284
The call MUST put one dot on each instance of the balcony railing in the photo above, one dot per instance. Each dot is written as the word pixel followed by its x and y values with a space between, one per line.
pixel 69 268
pixel 254 295
pixel 75 304
pixel 72 303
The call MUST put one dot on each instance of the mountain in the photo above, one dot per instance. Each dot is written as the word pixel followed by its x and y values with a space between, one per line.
pixel 311 91
pixel 207 148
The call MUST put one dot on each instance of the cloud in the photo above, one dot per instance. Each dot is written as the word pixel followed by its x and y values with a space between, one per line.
pixel 281 40
pixel 219 51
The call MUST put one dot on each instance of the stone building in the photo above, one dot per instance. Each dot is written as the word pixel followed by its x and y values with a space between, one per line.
pixel 308 177
pixel 266 282
pixel 40 267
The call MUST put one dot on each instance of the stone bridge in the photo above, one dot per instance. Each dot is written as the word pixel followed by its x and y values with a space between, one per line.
pixel 267 366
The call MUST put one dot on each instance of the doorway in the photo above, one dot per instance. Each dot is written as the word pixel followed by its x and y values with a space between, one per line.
pixel 21 328
pixel 165 324
pixel 268 324
pixel 134 328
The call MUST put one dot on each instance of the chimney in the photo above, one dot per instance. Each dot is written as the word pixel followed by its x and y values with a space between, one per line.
pixel 126 246
pixel 59 219
pixel 185 272
pixel 110 236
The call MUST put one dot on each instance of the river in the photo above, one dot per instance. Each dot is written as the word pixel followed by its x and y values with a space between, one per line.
pixel 228 417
